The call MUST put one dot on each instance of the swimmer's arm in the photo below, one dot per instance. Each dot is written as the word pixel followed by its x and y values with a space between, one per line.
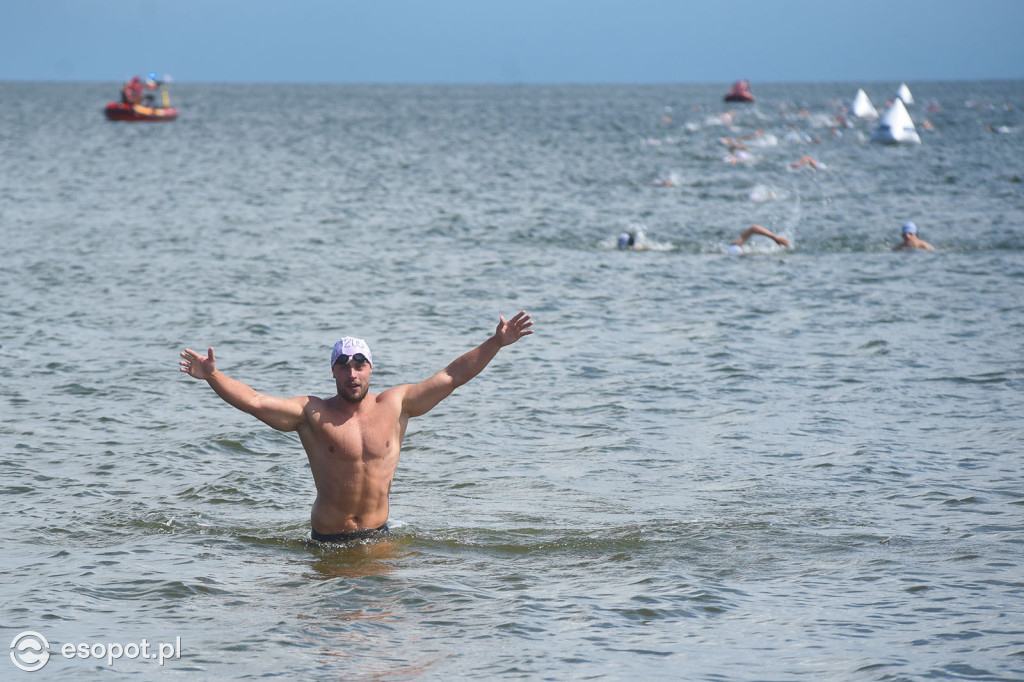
pixel 283 414
pixel 418 399
pixel 757 229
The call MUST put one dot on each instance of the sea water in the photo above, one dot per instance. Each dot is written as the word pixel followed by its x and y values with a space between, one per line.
pixel 794 464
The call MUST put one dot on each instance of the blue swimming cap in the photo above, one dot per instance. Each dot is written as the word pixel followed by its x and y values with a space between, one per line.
pixel 909 228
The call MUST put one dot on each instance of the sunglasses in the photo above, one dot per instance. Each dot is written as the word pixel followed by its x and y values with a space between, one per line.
pixel 358 360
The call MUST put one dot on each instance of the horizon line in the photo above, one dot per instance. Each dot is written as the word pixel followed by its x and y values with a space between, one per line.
pixel 174 81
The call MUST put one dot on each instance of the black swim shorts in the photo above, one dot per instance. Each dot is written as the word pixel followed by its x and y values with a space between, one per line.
pixel 360 534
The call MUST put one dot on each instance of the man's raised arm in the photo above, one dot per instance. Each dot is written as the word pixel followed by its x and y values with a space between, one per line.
pixel 279 413
pixel 422 397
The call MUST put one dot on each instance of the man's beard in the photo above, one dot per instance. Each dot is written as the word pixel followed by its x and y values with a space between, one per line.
pixel 354 399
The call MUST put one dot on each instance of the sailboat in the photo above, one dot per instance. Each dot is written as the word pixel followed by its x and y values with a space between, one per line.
pixel 896 126
pixel 903 93
pixel 862 106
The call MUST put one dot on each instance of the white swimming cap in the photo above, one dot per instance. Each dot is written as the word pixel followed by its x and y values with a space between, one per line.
pixel 734 250
pixel 349 345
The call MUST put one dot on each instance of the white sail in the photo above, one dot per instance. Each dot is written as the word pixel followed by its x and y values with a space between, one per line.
pixel 903 93
pixel 896 126
pixel 862 106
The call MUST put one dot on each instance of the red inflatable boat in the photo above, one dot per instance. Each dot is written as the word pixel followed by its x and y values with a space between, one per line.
pixel 122 111
pixel 740 92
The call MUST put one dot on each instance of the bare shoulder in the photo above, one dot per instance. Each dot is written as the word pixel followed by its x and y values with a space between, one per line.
pixel 398 398
pixel 311 402
pixel 394 395
pixel 313 407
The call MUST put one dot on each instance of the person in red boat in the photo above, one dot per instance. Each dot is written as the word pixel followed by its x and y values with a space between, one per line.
pixel 131 93
pixel 740 92
pixel 151 84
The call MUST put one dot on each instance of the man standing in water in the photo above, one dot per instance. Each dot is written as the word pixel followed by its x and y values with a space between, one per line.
pixel 353 440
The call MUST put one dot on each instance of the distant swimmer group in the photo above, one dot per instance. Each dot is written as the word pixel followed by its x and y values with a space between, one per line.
pixel 738 142
pixel 634 240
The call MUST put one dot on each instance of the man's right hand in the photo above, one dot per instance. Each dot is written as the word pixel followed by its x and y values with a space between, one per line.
pixel 195 365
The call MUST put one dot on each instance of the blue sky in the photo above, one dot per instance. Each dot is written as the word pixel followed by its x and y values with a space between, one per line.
pixel 512 41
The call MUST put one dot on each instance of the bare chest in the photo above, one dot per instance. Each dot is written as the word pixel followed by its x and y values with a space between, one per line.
pixel 368 439
pixel 365 441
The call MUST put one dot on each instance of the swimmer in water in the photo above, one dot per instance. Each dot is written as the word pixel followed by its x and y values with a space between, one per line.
pixel 911 240
pixel 739 156
pixel 736 248
pixel 627 240
pixel 353 439
pixel 808 161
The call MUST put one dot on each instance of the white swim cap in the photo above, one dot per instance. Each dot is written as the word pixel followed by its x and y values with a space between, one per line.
pixel 349 346
pixel 626 240
pixel 734 250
